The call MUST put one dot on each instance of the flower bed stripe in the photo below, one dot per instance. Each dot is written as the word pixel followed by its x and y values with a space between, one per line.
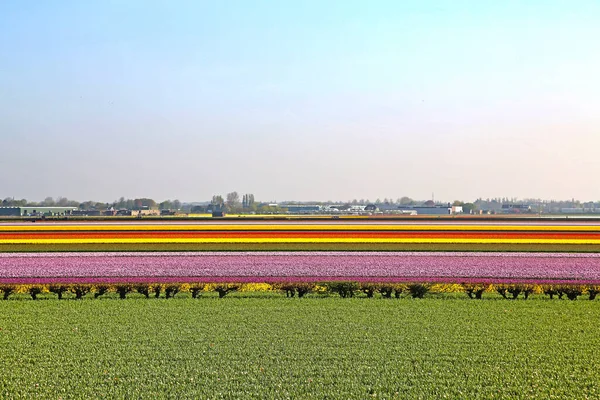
pixel 294 226
pixel 300 235
pixel 76 240
pixel 257 247
pixel 258 267
pixel 291 279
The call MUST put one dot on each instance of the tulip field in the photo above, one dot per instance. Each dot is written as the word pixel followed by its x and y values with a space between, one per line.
pixel 547 268
pixel 312 309
pixel 552 253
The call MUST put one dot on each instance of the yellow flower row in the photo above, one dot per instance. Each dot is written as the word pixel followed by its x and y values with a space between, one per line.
pixel 296 227
pixel 298 240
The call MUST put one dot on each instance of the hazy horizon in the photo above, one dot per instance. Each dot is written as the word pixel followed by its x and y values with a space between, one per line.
pixel 304 100
pixel 338 201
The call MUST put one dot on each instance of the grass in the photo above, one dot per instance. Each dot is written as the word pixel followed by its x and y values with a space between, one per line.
pixel 256 347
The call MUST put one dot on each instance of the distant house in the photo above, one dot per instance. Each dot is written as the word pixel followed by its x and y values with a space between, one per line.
pixel 371 208
pixel 457 209
pixel 10 211
pixel 430 210
pixel 145 212
pixel 91 213
pixel 516 208
pixel 216 210
pixel 582 210
pixel 302 208
pixel 199 209
pixel 387 208
pixel 45 211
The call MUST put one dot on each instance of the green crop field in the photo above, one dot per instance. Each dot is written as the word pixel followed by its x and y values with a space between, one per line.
pixel 299 348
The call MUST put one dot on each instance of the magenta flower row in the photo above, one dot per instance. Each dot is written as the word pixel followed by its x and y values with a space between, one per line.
pixel 300 266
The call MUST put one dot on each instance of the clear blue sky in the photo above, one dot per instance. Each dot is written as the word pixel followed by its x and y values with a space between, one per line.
pixel 299 99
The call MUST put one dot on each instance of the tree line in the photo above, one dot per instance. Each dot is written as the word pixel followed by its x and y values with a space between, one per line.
pixel 122 203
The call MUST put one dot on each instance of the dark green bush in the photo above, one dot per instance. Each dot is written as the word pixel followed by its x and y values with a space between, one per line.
pixel 123 289
pixel 80 290
pixel 59 290
pixel 550 290
pixel 143 288
pixel 171 290
pixel 99 290
pixel 157 290
pixel 196 289
pixel 34 291
pixel 474 291
pixel 385 290
pixel 7 290
pixel 368 288
pixel 344 288
pixel 418 290
pixel 225 288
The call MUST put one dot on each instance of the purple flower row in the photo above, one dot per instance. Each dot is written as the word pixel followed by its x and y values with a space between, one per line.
pixel 247 279
pixel 303 266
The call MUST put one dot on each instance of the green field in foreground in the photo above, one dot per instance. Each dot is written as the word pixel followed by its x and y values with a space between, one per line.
pixel 299 348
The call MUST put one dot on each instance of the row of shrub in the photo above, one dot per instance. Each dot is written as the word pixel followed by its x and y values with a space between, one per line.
pixel 571 292
pixel 344 289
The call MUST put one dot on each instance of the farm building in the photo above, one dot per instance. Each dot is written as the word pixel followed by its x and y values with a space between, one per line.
pixel 10 211
pixel 419 210
pixel 47 210
pixel 516 208
pixel 35 210
pixel 302 208
pixel 432 210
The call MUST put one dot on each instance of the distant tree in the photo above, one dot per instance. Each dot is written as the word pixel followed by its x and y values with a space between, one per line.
pixel 233 201
pixel 48 202
pixel 267 209
pixel 406 201
pixel 145 202
pixel 101 206
pixel 469 207
pixel 218 200
pixel 87 205
pixel 247 200
pixel 165 205
pixel 458 203
pixel 176 204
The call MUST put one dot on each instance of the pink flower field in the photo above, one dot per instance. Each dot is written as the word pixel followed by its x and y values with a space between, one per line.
pixel 456 267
